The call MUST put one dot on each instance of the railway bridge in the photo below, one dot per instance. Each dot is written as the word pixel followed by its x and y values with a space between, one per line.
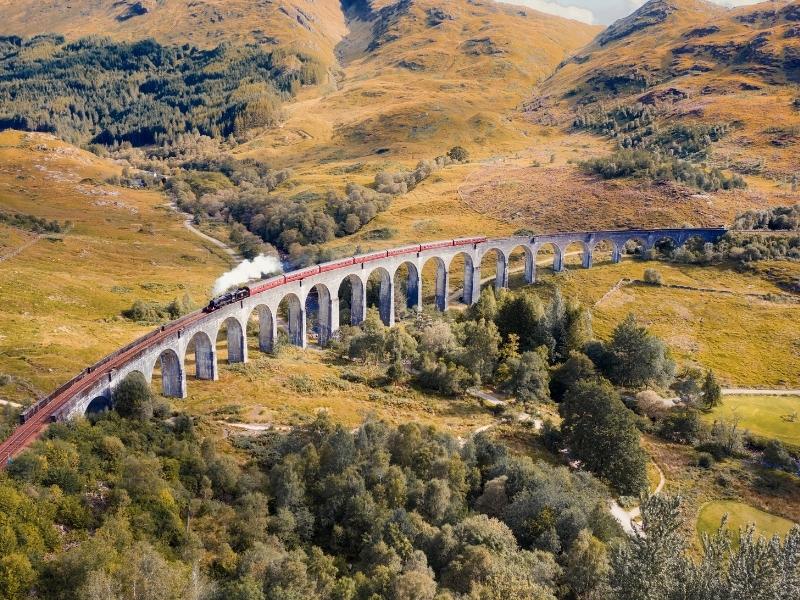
pixel 170 348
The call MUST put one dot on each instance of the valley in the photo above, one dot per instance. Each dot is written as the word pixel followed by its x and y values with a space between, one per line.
pixel 146 147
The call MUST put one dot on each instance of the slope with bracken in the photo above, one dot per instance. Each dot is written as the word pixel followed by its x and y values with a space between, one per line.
pixel 418 76
pixel 313 26
pixel 693 80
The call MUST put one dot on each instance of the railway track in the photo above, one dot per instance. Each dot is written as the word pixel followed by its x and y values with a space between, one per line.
pixel 33 427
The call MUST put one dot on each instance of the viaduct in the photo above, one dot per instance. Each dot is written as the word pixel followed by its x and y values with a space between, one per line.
pixel 320 287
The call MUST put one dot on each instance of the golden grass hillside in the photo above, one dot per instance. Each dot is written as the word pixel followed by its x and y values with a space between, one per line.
pixel 699 63
pixel 61 295
pixel 738 324
pixel 315 26
pixel 419 77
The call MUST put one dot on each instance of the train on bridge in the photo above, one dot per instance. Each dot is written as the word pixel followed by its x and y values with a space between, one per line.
pixel 247 291
pixel 169 343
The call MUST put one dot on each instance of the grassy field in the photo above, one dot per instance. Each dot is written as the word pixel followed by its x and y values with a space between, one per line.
pixel 771 417
pixel 740 515
pixel 292 387
pixel 61 296
pixel 747 340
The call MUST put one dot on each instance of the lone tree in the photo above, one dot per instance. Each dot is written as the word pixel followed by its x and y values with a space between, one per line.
pixel 638 358
pixel 133 398
pixel 712 392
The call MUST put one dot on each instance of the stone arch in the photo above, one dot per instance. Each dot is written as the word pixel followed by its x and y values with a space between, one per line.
pixel 265 325
pixel 635 245
pixel 385 295
pixel 606 246
pixel 558 255
pixel 173 377
pixel 408 290
pixel 292 310
pixel 666 244
pixel 235 340
pixel 352 297
pixel 99 404
pixel 585 253
pixel 468 280
pixel 205 356
pixel 440 280
pixel 529 264
pixel 500 267
pixel 322 313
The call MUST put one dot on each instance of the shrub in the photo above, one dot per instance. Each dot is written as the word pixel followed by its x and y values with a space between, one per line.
pixel 153 312
pixel 133 399
pixel 653 277
pixel 458 154
pixel 705 460
pixel 777 457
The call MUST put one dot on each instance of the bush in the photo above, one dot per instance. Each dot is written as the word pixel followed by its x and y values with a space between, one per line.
pixel 777 457
pixel 705 460
pixel 653 277
pixel 153 312
pixel 681 426
pixel 133 399
pixel 458 154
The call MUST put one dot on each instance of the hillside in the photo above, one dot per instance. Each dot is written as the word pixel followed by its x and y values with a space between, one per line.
pixel 314 26
pixel 695 62
pixel 418 76
pixel 62 292
pixel 708 96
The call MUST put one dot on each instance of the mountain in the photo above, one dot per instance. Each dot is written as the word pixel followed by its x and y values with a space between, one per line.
pixel 406 77
pixel 417 76
pixel 314 26
pixel 689 41
pixel 662 119
pixel 692 62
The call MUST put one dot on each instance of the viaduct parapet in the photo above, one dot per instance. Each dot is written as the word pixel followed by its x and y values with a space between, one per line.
pixel 167 349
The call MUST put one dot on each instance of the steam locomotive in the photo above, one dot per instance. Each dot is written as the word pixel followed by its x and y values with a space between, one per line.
pixel 227 298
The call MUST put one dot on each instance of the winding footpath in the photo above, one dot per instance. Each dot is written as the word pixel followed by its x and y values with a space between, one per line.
pixel 627 518
pixel 188 224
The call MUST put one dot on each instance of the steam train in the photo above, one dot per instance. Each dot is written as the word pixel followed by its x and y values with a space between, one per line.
pixel 268 284
pixel 227 298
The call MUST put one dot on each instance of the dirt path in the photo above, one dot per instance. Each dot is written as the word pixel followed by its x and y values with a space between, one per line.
pixel 230 251
pixel 10 403
pixel 757 392
pixel 627 518
pixel 187 223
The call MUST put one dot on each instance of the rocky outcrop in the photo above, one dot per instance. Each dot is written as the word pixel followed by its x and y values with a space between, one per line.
pixel 653 13
pixel 135 9
pixel 701 32
pixel 437 16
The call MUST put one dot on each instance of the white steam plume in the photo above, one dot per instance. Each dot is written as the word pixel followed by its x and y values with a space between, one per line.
pixel 260 266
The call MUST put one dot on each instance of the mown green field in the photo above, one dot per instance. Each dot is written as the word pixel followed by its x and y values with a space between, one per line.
pixel 774 417
pixel 740 515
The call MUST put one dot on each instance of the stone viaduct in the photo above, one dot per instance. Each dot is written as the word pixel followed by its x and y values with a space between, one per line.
pixel 287 301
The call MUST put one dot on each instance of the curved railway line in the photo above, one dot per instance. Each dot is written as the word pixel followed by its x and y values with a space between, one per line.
pixel 100 378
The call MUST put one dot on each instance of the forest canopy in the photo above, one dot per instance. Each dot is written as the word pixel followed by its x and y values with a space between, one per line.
pixel 102 91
